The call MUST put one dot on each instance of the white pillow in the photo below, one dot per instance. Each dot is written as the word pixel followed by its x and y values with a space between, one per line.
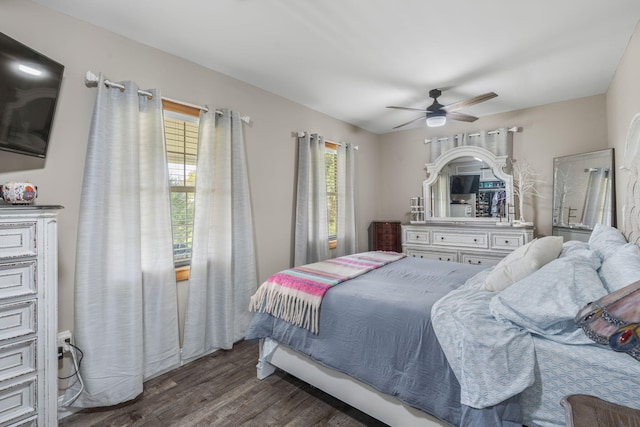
pixel 523 261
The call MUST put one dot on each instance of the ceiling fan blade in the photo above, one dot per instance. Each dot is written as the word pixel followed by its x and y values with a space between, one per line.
pixel 407 108
pixel 461 117
pixel 409 122
pixel 469 102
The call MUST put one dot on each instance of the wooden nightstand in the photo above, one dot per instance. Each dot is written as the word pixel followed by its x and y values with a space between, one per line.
pixel 385 236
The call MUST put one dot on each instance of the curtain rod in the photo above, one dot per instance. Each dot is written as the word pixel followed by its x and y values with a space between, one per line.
pixel 491 132
pixel 301 134
pixel 91 80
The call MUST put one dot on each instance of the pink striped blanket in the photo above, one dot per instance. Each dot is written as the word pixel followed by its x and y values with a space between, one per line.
pixel 294 295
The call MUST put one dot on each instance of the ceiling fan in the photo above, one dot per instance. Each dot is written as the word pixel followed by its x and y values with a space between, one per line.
pixel 437 113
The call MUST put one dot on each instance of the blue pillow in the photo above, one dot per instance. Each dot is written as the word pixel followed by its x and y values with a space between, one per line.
pixel 546 301
pixel 573 247
pixel 621 268
pixel 606 240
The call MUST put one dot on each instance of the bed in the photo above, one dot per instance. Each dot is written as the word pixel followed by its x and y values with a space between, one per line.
pixel 422 342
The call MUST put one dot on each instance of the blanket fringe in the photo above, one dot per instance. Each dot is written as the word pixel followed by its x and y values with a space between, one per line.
pixel 290 305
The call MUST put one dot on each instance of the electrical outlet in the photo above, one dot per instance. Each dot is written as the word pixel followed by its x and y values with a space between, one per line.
pixel 64 339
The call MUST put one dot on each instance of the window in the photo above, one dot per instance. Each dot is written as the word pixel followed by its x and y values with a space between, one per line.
pixel 181 136
pixel 331 166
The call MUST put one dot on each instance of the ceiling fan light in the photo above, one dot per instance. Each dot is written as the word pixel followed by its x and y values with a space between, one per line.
pixel 436 121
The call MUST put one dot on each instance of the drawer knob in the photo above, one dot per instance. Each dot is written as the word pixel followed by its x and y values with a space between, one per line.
pixel 477 262
pixel 441 237
pixel 475 240
pixel 506 242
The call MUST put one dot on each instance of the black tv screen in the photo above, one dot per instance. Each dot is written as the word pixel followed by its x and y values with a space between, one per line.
pixel 465 184
pixel 29 88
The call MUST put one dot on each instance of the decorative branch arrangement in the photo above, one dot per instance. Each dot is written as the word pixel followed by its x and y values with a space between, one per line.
pixel 524 185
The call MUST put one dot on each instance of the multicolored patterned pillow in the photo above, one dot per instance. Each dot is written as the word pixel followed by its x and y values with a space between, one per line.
pixel 614 320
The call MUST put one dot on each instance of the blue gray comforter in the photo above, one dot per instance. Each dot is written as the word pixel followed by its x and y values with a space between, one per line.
pixel 377 328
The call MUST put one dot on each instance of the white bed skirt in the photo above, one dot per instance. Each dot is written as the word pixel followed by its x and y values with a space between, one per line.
pixel 341 386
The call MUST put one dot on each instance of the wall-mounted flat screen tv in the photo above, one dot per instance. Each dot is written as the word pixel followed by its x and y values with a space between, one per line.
pixel 29 88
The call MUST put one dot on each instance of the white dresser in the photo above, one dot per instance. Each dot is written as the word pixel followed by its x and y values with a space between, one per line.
pixel 481 244
pixel 28 315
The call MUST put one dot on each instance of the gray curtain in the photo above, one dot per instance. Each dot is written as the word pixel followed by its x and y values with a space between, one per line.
pixel 347 238
pixel 126 316
pixel 596 201
pixel 223 266
pixel 499 142
pixel 311 227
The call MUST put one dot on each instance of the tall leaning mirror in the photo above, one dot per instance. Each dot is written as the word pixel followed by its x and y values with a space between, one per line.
pixel 583 193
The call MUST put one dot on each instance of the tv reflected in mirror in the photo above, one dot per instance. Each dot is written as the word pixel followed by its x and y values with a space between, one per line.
pixel 464 184
pixel 29 87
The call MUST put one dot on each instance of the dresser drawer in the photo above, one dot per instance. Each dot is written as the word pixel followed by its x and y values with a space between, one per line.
pixel 418 237
pixel 507 241
pixel 472 240
pixel 18 400
pixel 28 422
pixel 385 228
pixel 386 238
pixel 17 240
pixel 17 279
pixel 438 256
pixel 17 319
pixel 17 359
pixel 479 259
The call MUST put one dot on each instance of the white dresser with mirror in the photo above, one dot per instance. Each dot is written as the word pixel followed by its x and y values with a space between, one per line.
pixel 469 209
pixel 469 243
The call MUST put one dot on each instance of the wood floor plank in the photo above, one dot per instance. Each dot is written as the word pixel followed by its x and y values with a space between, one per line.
pixel 222 390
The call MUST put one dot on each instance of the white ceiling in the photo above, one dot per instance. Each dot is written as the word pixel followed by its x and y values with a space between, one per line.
pixel 351 58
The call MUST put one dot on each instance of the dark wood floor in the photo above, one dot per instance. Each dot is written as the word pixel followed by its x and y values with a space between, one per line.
pixel 222 390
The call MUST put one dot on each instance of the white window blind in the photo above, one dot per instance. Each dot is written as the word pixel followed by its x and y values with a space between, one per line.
pixel 331 164
pixel 181 136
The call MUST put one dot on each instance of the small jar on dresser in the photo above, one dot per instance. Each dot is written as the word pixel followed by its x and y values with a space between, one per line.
pixel 28 315
pixel 469 243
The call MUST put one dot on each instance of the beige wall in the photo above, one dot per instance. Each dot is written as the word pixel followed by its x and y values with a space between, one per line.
pixel 270 145
pixel 623 103
pixel 548 131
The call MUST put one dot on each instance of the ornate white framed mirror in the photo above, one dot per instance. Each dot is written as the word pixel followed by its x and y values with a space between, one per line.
pixel 468 183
